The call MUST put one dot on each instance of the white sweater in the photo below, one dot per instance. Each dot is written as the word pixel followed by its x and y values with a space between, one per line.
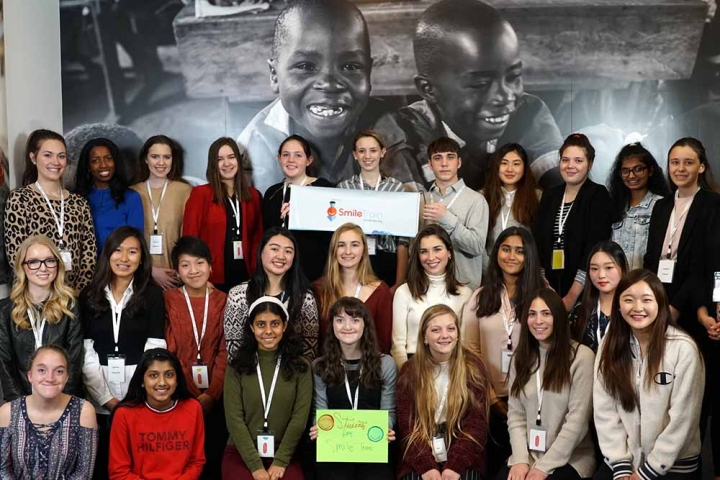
pixel 408 311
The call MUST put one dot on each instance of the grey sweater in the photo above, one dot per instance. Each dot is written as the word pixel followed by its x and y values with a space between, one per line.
pixel 668 437
pixel 565 416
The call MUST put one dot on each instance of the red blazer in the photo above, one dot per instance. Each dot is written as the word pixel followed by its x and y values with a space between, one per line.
pixel 207 220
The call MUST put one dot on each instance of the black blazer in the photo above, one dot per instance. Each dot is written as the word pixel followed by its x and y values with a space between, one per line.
pixel 588 223
pixel 698 256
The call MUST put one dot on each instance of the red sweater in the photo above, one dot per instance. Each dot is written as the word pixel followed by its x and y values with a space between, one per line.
pixel 181 339
pixel 463 453
pixel 149 445
pixel 207 221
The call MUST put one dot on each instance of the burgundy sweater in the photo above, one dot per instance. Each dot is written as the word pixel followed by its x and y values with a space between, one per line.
pixel 463 453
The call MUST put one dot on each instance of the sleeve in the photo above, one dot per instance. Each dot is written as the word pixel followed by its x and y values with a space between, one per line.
pixel 577 419
pixel 517 425
pixel 612 436
pixel 656 236
pixel 310 317
pixel 172 345
pixel 192 218
pixel 217 379
pixel 135 212
pixel 93 376
pixel 88 248
pixel 15 223
pixel 684 414
pixel 468 235
pixel 257 231
pixel 383 318
pixel 542 222
pixel 75 353
pixel 419 455
pixel 6 443
pixel 470 325
pixel 11 386
pixel 88 442
pixel 298 420
pixel 387 393
pixel 194 468
pixel 235 315
pixel 121 459
pixel 320 400
pixel 399 325
pixel 156 319
pixel 599 228
pixel 235 419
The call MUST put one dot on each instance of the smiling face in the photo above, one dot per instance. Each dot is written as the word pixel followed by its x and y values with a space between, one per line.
pixel 638 306
pixel 368 154
pixel 293 159
pixel 48 374
pixel 574 165
pixel 540 321
pixel 433 255
pixel 160 382
pixel 268 328
pixel 322 69
pixel 51 160
pixel 227 163
pixel 348 329
pixel 635 174
pixel 349 250
pixel 445 166
pixel 194 271
pixel 44 276
pixel 277 255
pixel 441 336
pixel 125 260
pixel 604 272
pixel 511 255
pixel 159 160
pixel 102 166
pixel 511 170
pixel 684 167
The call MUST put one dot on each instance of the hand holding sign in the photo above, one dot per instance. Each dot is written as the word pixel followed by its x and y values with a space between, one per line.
pixel 356 436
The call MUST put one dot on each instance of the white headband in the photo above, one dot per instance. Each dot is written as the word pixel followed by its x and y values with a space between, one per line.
pixel 269 299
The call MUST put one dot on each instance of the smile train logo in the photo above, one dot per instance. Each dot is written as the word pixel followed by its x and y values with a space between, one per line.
pixel 332 211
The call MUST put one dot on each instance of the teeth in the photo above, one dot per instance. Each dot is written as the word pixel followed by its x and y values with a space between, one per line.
pixel 497 120
pixel 326 112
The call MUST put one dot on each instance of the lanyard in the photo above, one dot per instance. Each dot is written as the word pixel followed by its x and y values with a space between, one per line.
pixel 37 333
pixel 116 309
pixel 440 408
pixel 357 290
pixel 674 224
pixel 235 205
pixel 60 222
pixel 599 312
pixel 508 320
pixel 561 220
pixel 362 185
pixel 267 402
pixel 452 202
pixel 509 198
pixel 353 405
pixel 198 339
pixel 540 392
pixel 285 187
pixel 156 211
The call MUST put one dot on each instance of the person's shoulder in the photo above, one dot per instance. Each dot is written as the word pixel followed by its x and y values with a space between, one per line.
pixel 6 305
pixel 203 190
pixel 681 340
pixel 183 188
pixel 238 292
pixel 153 292
pixel 583 353
pixel 467 292
pixel 189 405
pixel 173 295
pixel 87 414
pixel 387 363
pixel 131 195
pixel 5 413
pixel 140 188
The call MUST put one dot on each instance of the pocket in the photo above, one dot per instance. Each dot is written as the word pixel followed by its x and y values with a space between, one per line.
pixel 642 220
pixel 618 225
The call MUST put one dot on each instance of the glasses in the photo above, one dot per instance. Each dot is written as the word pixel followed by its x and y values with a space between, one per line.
pixel 637 170
pixel 35 264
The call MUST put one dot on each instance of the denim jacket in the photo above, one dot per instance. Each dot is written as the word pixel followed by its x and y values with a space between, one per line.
pixel 631 233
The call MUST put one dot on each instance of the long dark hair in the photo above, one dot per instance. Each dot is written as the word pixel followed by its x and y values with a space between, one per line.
pixel 94 293
pixel 290 347
pixel 294 283
pixel 178 158
pixel 590 293
pixel 615 368
pixel 560 355
pixel 526 202
pixel 331 368
pixel 417 279
pixel 34 142
pixel 212 173
pixel 83 179
pixel 619 192
pixel 490 300
pixel 706 179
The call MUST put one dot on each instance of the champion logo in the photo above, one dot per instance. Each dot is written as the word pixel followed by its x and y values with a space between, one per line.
pixel 663 378
pixel 332 211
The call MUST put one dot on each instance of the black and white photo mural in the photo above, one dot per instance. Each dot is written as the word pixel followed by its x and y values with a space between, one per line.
pixel 483 73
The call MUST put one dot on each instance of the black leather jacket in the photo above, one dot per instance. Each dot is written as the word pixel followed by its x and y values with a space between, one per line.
pixel 16 347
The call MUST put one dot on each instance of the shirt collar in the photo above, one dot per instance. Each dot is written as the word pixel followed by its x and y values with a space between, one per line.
pixel 278 118
pixel 456 187
pixel 647 199
pixel 125 298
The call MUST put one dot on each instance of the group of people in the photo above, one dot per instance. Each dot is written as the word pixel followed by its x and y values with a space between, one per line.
pixel 166 331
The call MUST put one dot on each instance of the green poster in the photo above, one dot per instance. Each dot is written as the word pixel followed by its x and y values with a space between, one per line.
pixel 357 436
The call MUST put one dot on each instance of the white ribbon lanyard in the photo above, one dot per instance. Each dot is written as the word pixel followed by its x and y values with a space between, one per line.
pixel 268 401
pixel 357 290
pixel 198 339
pixel 504 219
pixel 37 332
pixel 156 211
pixel 116 309
pixel 561 220
pixel 509 326
pixel 285 187
pixel 353 404
pixel 362 185
pixel 674 224
pixel 60 222
pixel 540 392
pixel 235 205
pixel 440 408
pixel 452 202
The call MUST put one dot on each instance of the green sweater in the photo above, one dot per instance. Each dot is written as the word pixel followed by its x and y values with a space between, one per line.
pixel 288 412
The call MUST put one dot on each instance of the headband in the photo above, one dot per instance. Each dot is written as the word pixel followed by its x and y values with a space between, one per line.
pixel 269 299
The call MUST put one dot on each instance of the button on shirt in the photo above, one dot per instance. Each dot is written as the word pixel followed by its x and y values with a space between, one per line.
pixel 631 233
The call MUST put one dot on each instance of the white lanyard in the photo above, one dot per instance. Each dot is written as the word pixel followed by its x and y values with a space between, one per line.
pixel 37 332
pixel 116 309
pixel 285 186
pixel 561 220
pixel 357 290
pixel 353 405
pixel 599 312
pixel 674 224
pixel 267 402
pixel 198 339
pixel 235 205
pixel 540 392
pixel 452 202
pixel 505 218
pixel 440 408
pixel 156 211
pixel 362 185
pixel 508 323
pixel 60 222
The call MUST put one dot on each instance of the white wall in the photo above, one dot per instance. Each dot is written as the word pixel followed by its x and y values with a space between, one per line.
pixel 33 85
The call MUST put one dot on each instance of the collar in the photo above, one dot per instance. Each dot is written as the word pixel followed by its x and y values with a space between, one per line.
pixel 647 200
pixel 436 279
pixel 125 298
pixel 509 196
pixel 453 135
pixel 454 187
pixel 278 118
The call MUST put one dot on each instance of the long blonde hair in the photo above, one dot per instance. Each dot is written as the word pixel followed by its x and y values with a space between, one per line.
pixel 61 299
pixel 331 282
pixel 465 369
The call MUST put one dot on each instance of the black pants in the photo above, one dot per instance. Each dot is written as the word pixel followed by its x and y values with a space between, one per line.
pixel 103 450
pixel 498 443
pixel 710 407
pixel 384 265
pixel 566 472
pixel 605 473
pixel 216 437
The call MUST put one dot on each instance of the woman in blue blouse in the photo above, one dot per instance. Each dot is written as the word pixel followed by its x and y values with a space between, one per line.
pixel 102 179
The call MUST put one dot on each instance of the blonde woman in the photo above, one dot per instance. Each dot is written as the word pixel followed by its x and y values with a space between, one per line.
pixel 442 404
pixel 41 310
pixel 348 273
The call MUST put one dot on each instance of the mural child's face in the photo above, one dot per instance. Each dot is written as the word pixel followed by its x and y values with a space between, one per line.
pixel 477 93
pixel 323 72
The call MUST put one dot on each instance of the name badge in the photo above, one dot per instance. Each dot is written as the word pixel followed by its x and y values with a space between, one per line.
pixel 200 376
pixel 505 357
pixel 537 439
pixel 266 444
pixel 66 256
pixel 237 250
pixel 156 244
pixel 558 259
pixel 116 368
pixel 666 269
pixel 716 289
pixel 439 449
pixel 372 245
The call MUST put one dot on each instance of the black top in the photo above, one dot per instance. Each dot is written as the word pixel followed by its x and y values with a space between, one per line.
pixel 337 394
pixel 235 270
pixel 313 246
pixel 588 223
